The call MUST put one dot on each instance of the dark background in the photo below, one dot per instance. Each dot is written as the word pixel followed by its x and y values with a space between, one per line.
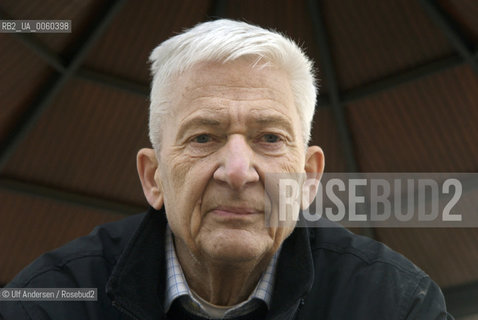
pixel 399 93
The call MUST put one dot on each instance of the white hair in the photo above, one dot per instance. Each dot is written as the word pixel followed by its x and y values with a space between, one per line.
pixel 226 40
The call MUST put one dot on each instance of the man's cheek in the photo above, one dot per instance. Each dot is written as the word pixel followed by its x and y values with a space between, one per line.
pixel 293 162
pixel 179 171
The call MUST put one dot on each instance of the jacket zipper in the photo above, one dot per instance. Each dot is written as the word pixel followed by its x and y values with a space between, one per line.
pixel 301 303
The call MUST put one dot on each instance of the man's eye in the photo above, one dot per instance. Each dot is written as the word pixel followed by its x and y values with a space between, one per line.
pixel 202 138
pixel 271 138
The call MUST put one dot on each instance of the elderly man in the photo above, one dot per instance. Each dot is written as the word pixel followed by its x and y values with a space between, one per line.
pixel 230 103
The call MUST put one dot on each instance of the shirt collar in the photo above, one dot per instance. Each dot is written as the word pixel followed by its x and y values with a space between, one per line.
pixel 177 285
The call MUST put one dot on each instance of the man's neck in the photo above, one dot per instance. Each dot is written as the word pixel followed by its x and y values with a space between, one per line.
pixel 219 282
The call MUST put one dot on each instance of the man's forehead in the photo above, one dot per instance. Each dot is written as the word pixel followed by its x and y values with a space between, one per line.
pixel 208 83
pixel 233 77
pixel 225 90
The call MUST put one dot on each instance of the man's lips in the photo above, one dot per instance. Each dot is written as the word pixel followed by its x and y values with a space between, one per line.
pixel 235 211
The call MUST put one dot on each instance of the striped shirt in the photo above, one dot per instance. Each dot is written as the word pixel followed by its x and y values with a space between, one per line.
pixel 177 288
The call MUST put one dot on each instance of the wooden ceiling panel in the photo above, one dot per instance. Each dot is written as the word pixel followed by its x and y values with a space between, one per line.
pixel 86 142
pixel 427 126
pixel 20 80
pixel 31 226
pixel 375 39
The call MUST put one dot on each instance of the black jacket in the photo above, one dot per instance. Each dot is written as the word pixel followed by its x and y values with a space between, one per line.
pixel 322 273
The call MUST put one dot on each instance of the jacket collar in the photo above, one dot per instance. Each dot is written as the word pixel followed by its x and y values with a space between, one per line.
pixel 294 275
pixel 138 281
pixel 136 285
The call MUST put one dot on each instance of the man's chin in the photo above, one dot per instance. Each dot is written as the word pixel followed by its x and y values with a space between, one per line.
pixel 236 246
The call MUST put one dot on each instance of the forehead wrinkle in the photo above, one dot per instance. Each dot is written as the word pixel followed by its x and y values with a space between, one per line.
pixel 220 105
pixel 271 117
pixel 234 92
pixel 203 116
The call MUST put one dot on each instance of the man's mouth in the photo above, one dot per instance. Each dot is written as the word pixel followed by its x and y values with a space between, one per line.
pixel 228 211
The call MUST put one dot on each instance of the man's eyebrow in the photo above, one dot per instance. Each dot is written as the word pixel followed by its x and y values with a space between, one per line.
pixel 199 121
pixel 276 120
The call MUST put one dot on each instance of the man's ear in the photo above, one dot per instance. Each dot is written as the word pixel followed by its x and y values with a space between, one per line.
pixel 314 167
pixel 148 172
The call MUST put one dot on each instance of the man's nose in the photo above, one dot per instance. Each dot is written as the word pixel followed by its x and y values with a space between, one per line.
pixel 237 163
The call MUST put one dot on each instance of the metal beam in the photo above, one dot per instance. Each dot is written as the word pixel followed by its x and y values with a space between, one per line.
pixel 32 43
pixel 217 10
pixel 336 103
pixel 449 28
pixel 113 81
pixel 401 78
pixel 461 300
pixel 329 73
pixel 31 116
pixel 70 198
